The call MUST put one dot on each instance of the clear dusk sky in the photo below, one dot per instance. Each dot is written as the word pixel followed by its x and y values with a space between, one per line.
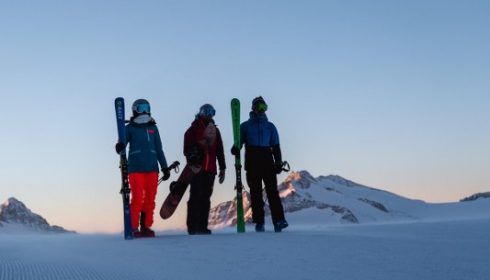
pixel 390 94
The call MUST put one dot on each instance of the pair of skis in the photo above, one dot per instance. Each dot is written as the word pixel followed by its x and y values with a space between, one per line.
pixel 174 200
pixel 235 118
pixel 123 165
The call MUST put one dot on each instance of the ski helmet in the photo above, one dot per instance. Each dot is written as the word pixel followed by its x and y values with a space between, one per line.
pixel 258 104
pixel 141 106
pixel 206 111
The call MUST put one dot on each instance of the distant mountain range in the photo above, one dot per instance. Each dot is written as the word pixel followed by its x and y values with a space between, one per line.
pixel 336 200
pixel 323 200
pixel 14 214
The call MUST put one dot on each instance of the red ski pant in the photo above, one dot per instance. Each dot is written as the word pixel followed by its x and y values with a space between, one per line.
pixel 143 192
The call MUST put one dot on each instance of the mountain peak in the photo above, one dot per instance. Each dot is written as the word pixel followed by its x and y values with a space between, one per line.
pixel 13 211
pixel 302 179
pixel 340 180
pixel 12 202
pixel 476 196
pixel 326 199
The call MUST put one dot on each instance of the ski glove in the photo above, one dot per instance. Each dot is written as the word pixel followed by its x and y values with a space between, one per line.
pixel 120 147
pixel 166 173
pixel 221 176
pixel 235 151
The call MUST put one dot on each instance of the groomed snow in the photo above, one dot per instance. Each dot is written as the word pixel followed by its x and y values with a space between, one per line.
pixel 457 249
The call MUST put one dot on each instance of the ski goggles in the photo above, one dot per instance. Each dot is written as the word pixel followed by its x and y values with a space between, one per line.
pixel 261 107
pixel 207 112
pixel 142 108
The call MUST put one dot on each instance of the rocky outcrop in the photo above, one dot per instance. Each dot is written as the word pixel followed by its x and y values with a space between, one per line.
pixel 14 211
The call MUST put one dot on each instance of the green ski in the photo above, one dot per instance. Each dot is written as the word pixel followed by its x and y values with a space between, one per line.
pixel 235 117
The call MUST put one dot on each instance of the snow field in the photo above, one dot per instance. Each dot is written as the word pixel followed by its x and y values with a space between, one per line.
pixel 421 250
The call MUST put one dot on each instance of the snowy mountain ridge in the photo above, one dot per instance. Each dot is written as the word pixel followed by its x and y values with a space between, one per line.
pixel 476 196
pixel 14 214
pixel 333 199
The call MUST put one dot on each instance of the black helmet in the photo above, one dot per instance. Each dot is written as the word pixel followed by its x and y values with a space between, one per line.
pixel 141 106
pixel 258 104
pixel 206 111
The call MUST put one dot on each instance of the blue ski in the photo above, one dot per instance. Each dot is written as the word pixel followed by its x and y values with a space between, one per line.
pixel 123 165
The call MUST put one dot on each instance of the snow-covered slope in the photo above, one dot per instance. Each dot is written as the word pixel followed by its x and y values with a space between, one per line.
pixel 314 246
pixel 401 251
pixel 333 200
pixel 16 217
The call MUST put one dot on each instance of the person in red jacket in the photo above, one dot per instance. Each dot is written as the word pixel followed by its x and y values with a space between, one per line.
pixel 203 146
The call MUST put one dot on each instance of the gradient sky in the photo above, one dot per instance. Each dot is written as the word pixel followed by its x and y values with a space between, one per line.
pixel 390 94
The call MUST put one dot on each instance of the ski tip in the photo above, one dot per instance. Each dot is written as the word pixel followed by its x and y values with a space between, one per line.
pixel 119 101
pixel 235 101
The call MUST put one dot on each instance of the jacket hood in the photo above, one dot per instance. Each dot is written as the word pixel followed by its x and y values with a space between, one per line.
pixel 142 120
pixel 254 116
pixel 198 121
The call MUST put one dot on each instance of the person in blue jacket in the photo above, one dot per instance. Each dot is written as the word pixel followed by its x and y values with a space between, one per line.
pixel 145 153
pixel 263 161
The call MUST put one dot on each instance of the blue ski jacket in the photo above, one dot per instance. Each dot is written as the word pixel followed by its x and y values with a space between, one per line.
pixel 145 147
pixel 261 141
pixel 258 131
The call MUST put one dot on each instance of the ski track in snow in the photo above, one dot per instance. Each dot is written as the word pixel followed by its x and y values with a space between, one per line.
pixel 435 250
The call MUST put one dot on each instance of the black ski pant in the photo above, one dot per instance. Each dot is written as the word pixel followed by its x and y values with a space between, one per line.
pixel 254 181
pixel 199 202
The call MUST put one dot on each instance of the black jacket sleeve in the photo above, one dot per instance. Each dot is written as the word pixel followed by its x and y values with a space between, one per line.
pixel 276 152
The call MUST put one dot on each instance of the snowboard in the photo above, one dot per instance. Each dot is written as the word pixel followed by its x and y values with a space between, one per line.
pixel 123 165
pixel 235 117
pixel 177 190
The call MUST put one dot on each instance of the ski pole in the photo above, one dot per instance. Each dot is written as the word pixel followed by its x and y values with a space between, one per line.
pixel 174 166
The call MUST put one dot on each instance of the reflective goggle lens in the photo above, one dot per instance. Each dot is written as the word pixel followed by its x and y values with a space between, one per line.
pixel 142 108
pixel 208 112
pixel 261 107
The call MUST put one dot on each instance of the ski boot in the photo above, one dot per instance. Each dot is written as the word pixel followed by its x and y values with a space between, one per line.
pixel 137 233
pixel 147 232
pixel 199 232
pixel 259 228
pixel 280 225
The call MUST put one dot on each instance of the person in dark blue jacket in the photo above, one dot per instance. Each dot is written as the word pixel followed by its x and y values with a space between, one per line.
pixel 263 161
pixel 145 153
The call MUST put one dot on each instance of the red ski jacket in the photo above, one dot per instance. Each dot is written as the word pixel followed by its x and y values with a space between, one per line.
pixel 207 138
